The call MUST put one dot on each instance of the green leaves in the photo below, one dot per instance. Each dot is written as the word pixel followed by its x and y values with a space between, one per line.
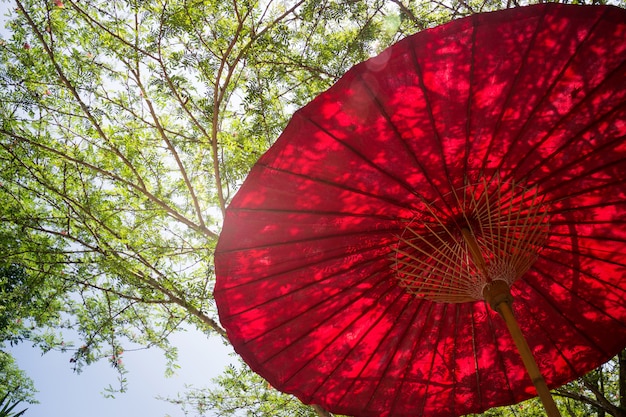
pixel 100 182
pixel 237 392
pixel 8 407
pixel 15 385
pixel 125 129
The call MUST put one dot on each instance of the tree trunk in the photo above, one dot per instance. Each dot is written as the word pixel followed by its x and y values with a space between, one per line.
pixel 622 381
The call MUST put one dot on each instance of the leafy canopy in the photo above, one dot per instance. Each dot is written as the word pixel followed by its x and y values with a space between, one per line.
pixel 125 129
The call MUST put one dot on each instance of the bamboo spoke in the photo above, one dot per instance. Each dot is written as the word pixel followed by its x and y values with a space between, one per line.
pixel 506 223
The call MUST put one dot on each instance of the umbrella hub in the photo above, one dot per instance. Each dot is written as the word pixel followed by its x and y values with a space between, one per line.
pixel 496 293
pixel 481 234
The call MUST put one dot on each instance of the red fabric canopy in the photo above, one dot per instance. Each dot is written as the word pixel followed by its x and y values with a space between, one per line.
pixel 308 286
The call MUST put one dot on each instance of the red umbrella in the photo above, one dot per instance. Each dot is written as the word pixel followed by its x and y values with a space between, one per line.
pixel 487 153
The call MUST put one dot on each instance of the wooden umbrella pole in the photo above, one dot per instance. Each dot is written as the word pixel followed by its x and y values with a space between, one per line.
pixel 498 295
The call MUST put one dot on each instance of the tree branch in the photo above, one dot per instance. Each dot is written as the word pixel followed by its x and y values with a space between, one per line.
pixel 320 411
pixel 173 151
pixel 420 25
pixel 66 82
pixel 175 214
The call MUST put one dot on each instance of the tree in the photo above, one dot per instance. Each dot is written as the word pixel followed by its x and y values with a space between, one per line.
pixel 240 390
pixel 15 385
pixel 125 129
pixel 599 393
pixel 8 407
pixel 27 303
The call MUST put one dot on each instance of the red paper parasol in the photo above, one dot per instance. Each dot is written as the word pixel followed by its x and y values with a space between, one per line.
pixel 485 153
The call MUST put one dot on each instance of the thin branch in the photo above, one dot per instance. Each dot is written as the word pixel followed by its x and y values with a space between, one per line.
pixel 320 411
pixel 420 24
pixel 95 24
pixel 176 296
pixel 173 151
pixel 600 402
pixel 66 82
pixel 175 214
pixel 578 397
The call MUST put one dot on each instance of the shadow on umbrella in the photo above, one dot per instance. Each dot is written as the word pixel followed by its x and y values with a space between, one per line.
pixel 470 171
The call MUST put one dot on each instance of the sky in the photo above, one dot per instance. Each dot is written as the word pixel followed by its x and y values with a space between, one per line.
pixel 65 393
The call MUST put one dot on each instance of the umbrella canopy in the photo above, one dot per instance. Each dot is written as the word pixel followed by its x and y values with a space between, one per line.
pixel 354 261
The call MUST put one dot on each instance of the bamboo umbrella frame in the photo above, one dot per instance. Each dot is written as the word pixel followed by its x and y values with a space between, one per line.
pixel 468 164
pixel 497 235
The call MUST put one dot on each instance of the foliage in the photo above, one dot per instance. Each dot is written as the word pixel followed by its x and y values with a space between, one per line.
pixel 7 407
pixel 28 301
pixel 598 394
pixel 15 385
pixel 241 392
pixel 238 392
pixel 125 129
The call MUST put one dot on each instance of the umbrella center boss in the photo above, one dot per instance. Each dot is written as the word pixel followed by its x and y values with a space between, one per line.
pixel 474 240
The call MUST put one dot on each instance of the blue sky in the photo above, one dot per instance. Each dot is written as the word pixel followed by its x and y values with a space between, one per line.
pixel 65 393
